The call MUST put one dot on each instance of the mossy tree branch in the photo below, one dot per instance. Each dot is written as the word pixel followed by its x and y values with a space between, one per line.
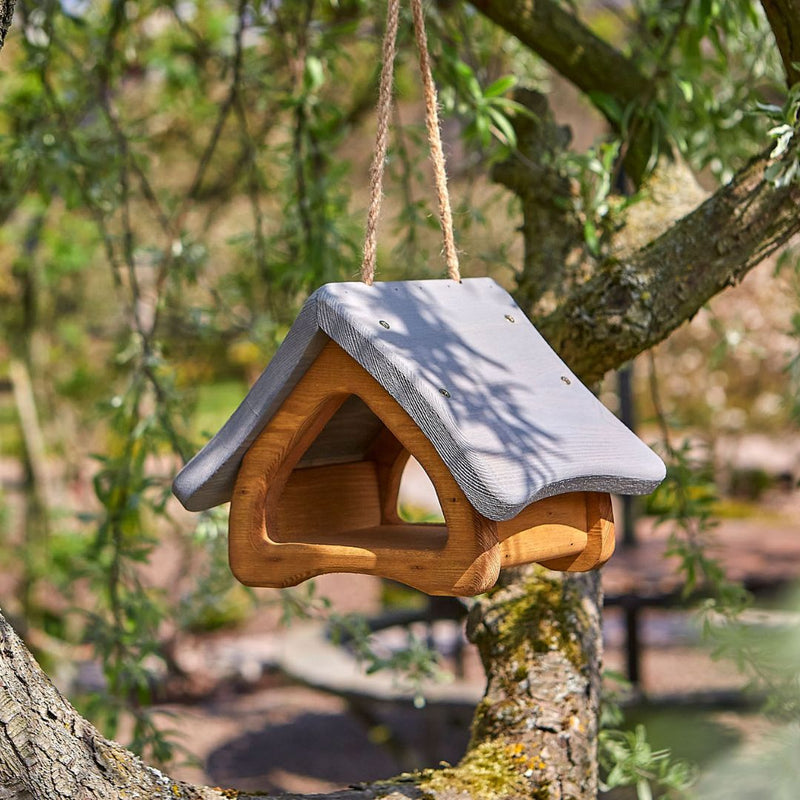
pixel 540 642
pixel 49 752
pixel 533 734
pixel 634 302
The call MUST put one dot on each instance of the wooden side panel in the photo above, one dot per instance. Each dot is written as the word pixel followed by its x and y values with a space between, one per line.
pixel 467 563
pixel 324 501
pixel 550 528
pixel 601 541
pixel 398 541
pixel 390 459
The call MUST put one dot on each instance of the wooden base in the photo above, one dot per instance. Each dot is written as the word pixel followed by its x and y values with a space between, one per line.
pixel 290 523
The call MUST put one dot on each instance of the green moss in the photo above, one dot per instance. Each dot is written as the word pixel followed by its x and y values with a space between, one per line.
pixel 494 770
pixel 547 616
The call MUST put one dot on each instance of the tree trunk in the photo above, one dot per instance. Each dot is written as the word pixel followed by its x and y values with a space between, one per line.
pixel 540 642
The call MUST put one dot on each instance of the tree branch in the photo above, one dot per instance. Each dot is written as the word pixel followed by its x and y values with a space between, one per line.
pixel 562 40
pixel 552 230
pixel 633 303
pixel 534 733
pixel 526 742
pixel 784 19
pixel 583 58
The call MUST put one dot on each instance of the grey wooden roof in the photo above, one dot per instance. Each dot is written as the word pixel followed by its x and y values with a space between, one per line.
pixel 509 419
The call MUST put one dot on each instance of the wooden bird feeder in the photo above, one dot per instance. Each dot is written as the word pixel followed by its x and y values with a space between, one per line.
pixel 521 454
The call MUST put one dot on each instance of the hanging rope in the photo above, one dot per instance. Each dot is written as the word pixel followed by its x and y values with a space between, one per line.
pixel 379 156
pixel 434 138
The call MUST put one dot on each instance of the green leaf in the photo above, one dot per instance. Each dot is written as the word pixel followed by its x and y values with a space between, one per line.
pixel 591 238
pixel 609 106
pixel 483 130
pixel 687 90
pixel 769 108
pixel 500 86
pixel 314 74
pixel 505 127
pixel 782 145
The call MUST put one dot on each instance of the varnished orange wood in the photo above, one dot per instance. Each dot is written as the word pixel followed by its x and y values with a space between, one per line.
pixel 548 529
pixel 390 459
pixel 401 539
pixel 467 563
pixel 288 524
pixel 601 539
pixel 329 500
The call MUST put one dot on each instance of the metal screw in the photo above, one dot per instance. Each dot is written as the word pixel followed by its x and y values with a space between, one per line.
pixel 510 318
pixel 566 380
pixel 444 393
pixel 384 323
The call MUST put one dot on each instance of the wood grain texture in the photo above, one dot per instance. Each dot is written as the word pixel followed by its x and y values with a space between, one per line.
pixel 390 459
pixel 465 561
pixel 329 500
pixel 553 527
pixel 509 420
pixel 290 522
pixel 600 537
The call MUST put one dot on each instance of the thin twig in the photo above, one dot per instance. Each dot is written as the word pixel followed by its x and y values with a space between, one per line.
pixel 658 407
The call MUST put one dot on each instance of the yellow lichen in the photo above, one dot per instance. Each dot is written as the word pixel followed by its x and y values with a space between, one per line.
pixel 493 770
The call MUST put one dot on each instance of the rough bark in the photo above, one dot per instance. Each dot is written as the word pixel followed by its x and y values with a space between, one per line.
pixel 634 302
pixel 49 752
pixel 534 733
pixel 6 15
pixel 540 641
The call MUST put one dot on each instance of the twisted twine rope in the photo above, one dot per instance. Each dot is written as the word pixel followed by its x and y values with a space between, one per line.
pixel 434 138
